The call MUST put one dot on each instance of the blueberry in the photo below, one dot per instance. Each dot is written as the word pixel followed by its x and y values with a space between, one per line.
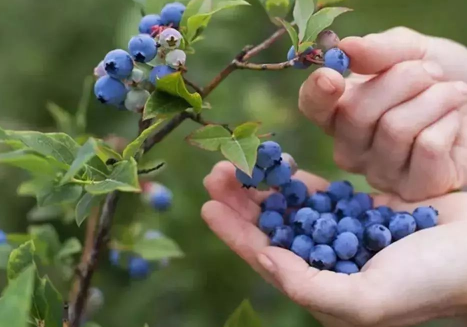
pixel 340 190
pixel 345 245
pixel 114 257
pixel 142 48
pixel 147 22
pixel 376 237
pixel 275 202
pixel 320 201
pixel 99 70
pixel 110 91
pixel 176 59
pixel 362 256
pixel 348 208
pixel 172 13
pixel 386 212
pixel 247 181
pixel 291 216
pixel 282 236
pixel 161 198
pixel 346 267
pixel 138 267
pixel 269 153
pixel 137 75
pixel 118 64
pixel 402 225
pixel 291 161
pixel 330 215
pixel 170 39
pixel 302 246
pixel 371 217
pixel 153 234
pixel 301 63
pixel 3 237
pixel 295 193
pixel 159 72
pixel 426 217
pixel 304 220
pixel 324 230
pixel 327 40
pixel 278 175
pixel 336 59
pixel 323 257
pixel 365 201
pixel 269 220
pixel 136 99
pixel 352 225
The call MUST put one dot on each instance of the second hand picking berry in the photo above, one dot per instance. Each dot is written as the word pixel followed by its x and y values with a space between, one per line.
pixel 336 229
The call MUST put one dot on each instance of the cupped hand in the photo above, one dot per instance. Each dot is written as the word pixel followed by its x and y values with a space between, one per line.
pixel 401 120
pixel 421 277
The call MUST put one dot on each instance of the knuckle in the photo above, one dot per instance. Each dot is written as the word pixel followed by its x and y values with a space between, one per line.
pixel 345 162
pixel 429 146
pixel 395 129
pixel 402 30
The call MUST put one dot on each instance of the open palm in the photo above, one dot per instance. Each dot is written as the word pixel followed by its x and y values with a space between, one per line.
pixel 418 278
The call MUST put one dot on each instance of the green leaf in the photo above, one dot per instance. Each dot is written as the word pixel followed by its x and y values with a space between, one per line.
pixel 324 3
pixel 85 153
pixel 63 118
pixel 158 248
pixel 174 84
pixel 302 13
pixel 40 214
pixel 5 250
pixel 242 152
pixel 31 161
pixel 321 20
pixel 46 236
pixel 132 149
pixel 84 207
pixel 244 316
pixel 15 303
pixel 105 152
pixel 209 137
pixel 54 315
pixel 291 31
pixel 162 105
pixel 192 8
pixel 304 46
pixel 71 247
pixel 57 145
pixel 18 239
pixel 20 258
pixel 277 8
pixel 124 177
pixel 246 130
pixel 54 195
pixel 33 186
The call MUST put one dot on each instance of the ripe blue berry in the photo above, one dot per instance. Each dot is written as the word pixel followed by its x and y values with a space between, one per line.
pixel 269 153
pixel 118 64
pixel 114 257
pixel 282 236
pixel 99 70
pixel 329 215
pixel 347 208
pixel 295 193
pixel 386 212
pixel 147 22
pixel 365 201
pixel 142 48
pixel 324 230
pixel 346 267
pixel 302 246
pixel 376 237
pixel 172 14
pixel 323 257
pixel 301 63
pixel 160 197
pixel 352 225
pixel 402 225
pixel 371 217
pixel 340 190
pixel 425 217
pixel 269 220
pixel 170 39
pixel 159 72
pixel 138 267
pixel 278 175
pixel 320 201
pixel 304 220
pixel 247 181
pixel 336 59
pixel 291 216
pixel 362 256
pixel 345 245
pixel 275 202
pixel 3 237
pixel 110 91
pixel 136 99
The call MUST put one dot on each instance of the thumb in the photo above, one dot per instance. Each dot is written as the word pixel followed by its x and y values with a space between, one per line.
pixel 375 53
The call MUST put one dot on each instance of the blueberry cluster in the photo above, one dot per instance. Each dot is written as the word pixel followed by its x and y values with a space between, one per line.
pixel 337 229
pixel 157 195
pixel 120 82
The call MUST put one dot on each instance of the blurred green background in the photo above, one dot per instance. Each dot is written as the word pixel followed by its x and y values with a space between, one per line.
pixel 48 47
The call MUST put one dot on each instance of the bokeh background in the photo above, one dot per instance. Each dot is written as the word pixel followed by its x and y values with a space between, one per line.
pixel 48 47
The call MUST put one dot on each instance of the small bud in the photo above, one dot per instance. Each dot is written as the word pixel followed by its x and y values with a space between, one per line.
pixel 137 75
pixel 176 59
pixel 136 99
pixel 291 161
pixel 328 39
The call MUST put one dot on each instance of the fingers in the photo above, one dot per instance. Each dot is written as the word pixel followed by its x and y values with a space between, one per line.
pixel 375 53
pixel 399 127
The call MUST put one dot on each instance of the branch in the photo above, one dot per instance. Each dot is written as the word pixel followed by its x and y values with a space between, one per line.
pixel 278 66
pixel 193 85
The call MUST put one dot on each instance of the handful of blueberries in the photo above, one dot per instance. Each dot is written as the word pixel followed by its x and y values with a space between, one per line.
pixel 336 229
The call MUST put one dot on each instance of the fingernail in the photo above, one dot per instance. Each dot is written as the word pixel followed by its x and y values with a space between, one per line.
pixel 266 263
pixel 325 84
pixel 461 87
pixel 433 69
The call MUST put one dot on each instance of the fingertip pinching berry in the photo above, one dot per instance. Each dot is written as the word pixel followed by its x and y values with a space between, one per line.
pixel 269 220
pixel 172 14
pixel 159 72
pixel 147 22
pixel 110 91
pixel 279 174
pixel 142 48
pixel 118 64
pixel 323 257
pixel 250 181
pixel 282 236
pixel 176 59
pixel 269 153
pixel 426 217
pixel 301 62
pixel 170 39
pixel 336 59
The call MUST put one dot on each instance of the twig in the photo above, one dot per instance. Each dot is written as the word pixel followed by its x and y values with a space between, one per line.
pixel 150 170
pixel 166 130
pixel 193 85
pixel 251 66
